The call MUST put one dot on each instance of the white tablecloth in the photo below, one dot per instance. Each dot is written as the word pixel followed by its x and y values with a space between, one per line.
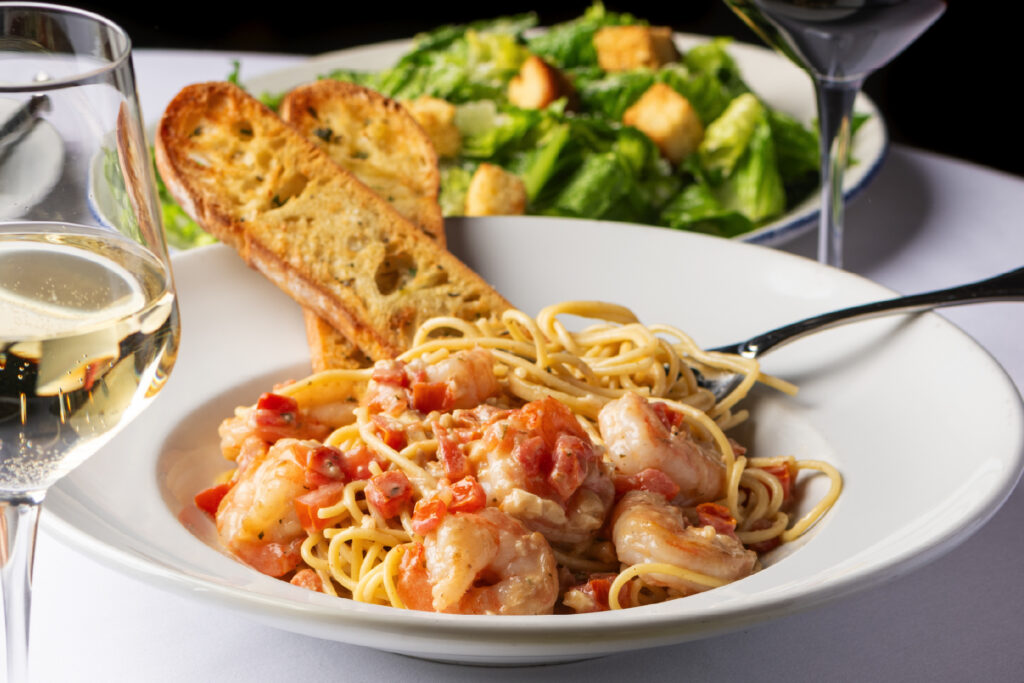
pixel 925 222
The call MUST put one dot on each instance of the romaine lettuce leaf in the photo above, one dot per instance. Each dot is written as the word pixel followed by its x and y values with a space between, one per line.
pixel 454 186
pixel 571 44
pixel 696 208
pixel 456 63
pixel 611 94
pixel 796 154
pixel 755 188
pixel 726 138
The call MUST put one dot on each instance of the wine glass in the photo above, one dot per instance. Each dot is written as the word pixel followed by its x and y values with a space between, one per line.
pixel 88 315
pixel 839 43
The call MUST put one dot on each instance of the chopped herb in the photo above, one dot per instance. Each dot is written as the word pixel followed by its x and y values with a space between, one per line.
pixel 323 133
pixel 236 68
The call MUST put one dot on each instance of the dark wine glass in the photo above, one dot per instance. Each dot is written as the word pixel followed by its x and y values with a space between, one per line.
pixel 839 43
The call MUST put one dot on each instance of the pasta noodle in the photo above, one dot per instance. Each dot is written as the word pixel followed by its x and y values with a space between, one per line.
pixel 380 442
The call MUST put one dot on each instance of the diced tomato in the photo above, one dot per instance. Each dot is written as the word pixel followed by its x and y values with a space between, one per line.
pixel 389 492
pixel 308 505
pixel 324 465
pixel 413 558
pixel 208 500
pixel 596 591
pixel 467 495
pixel 430 396
pixel 272 426
pixel 568 472
pixel 427 515
pixel 275 417
pixel 672 419
pixel 390 372
pixel 717 516
pixel 551 418
pixel 391 431
pixel 651 480
pixel 534 456
pixel 309 579
pixel 357 464
pixel 451 457
pixel 785 475
pixel 277 403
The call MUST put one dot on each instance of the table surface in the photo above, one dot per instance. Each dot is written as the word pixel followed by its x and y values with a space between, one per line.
pixel 925 222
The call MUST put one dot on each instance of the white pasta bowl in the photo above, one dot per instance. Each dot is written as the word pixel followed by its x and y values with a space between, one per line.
pixel 898 405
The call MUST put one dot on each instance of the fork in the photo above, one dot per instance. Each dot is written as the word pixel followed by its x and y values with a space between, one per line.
pixel 1006 287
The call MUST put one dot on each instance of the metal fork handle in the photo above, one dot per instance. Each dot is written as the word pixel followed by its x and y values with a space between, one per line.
pixel 1006 287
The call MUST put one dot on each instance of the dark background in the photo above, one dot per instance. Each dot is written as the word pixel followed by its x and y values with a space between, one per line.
pixel 955 91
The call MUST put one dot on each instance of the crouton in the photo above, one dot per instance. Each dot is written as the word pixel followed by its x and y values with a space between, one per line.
pixel 493 191
pixel 668 119
pixel 437 118
pixel 538 84
pixel 631 47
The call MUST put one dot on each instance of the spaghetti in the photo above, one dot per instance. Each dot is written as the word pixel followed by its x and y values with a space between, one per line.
pixel 511 466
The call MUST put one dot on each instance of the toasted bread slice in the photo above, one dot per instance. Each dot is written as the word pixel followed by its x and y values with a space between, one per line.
pixel 307 224
pixel 377 140
pixel 330 349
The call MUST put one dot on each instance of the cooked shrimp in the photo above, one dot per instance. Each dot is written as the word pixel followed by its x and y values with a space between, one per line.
pixel 480 563
pixel 468 377
pixel 640 436
pixel 540 466
pixel 257 519
pixel 646 528
pixel 462 380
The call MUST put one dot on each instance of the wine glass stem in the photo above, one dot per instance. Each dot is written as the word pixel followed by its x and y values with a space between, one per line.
pixel 835 112
pixel 17 545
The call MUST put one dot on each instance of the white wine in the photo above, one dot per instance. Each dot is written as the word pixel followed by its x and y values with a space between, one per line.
pixel 88 333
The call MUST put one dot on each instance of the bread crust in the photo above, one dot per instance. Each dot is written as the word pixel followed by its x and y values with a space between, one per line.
pixel 308 225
